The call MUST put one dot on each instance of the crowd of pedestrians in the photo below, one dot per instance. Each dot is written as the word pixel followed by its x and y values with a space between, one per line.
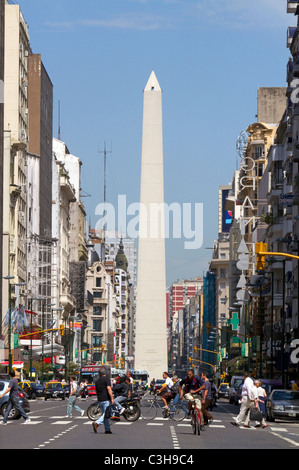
pixel 189 391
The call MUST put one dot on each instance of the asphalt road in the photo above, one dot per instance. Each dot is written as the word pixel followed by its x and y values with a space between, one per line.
pixel 51 429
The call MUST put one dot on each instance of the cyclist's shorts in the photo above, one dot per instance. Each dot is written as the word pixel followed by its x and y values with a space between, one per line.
pixel 196 398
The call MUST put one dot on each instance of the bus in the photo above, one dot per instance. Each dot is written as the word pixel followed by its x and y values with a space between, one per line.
pixel 91 374
pixel 140 374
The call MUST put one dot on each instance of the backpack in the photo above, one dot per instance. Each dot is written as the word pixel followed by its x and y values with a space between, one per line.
pixel 78 391
pixel 112 413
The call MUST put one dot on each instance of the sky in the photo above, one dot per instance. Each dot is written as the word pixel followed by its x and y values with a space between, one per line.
pixel 210 58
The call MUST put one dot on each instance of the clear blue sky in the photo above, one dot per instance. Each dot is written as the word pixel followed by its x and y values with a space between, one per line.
pixel 210 57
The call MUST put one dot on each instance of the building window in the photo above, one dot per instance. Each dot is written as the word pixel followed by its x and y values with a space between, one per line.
pixel 98 295
pixel 97 311
pixel 96 341
pixel 222 273
pixel 97 326
pixel 98 282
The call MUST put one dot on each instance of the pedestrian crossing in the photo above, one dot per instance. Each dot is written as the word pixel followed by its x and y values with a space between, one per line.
pixel 60 420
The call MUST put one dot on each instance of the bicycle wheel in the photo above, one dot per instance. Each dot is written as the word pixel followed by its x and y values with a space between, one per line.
pixel 148 410
pixel 194 423
pixel 177 413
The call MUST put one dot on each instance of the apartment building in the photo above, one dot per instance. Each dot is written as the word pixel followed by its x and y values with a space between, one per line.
pixel 2 11
pixel 16 53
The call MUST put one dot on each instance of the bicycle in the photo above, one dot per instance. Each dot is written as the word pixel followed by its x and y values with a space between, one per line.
pixel 195 420
pixel 149 409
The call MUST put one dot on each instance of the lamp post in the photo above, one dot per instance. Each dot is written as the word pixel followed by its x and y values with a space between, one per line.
pixel 8 278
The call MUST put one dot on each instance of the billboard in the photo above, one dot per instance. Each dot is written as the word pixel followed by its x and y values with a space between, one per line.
pixel 227 216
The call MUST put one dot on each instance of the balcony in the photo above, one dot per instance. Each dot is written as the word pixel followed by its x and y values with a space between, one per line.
pixel 292 6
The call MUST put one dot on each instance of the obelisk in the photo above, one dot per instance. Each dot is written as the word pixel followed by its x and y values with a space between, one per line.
pixel 151 327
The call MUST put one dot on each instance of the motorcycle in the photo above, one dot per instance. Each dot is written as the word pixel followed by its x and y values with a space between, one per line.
pixel 132 409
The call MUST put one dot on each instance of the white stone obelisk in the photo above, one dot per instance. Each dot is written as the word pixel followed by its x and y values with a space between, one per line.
pixel 151 319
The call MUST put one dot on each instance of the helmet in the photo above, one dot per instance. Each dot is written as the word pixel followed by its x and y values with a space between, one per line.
pixel 121 378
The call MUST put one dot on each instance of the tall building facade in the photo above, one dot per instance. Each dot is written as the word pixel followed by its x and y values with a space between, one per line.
pixel 2 10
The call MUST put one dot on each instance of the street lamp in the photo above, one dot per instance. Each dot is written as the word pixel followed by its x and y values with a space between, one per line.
pixel 8 278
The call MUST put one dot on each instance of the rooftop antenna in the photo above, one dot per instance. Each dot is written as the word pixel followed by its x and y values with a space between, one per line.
pixel 105 151
pixel 59 134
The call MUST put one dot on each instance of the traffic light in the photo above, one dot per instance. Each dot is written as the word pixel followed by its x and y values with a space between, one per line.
pixel 208 328
pixel 62 330
pixel 260 259
pixel 190 359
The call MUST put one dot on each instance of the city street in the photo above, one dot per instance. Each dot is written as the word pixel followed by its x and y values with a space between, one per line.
pixel 50 429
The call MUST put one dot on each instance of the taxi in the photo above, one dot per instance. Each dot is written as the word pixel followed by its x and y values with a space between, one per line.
pixel 32 389
pixel 54 389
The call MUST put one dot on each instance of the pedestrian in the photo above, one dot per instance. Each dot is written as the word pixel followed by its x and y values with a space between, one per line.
pixel 262 397
pixel 206 399
pixel 105 397
pixel 129 375
pixel 247 389
pixel 259 400
pixel 152 386
pixel 72 398
pixel 14 399
pixel 295 386
pixel 83 386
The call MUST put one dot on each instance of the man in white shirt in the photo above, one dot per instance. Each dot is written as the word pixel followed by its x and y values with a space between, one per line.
pixel 247 398
pixel 165 391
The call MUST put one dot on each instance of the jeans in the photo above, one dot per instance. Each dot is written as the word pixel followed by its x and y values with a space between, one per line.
pixel 72 404
pixel 102 419
pixel 118 401
pixel 14 403
pixel 177 400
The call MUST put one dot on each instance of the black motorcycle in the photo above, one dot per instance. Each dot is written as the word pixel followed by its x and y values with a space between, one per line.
pixel 132 409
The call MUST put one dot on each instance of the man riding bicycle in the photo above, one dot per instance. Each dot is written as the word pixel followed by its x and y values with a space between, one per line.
pixel 165 391
pixel 192 388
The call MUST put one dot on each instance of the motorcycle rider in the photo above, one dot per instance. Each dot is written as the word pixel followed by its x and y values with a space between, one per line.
pixel 120 392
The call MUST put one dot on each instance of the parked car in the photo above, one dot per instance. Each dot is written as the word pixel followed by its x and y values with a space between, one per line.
pixel 14 414
pixel 223 390
pixel 235 382
pixel 158 384
pixel 32 389
pixel 283 404
pixel 54 389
